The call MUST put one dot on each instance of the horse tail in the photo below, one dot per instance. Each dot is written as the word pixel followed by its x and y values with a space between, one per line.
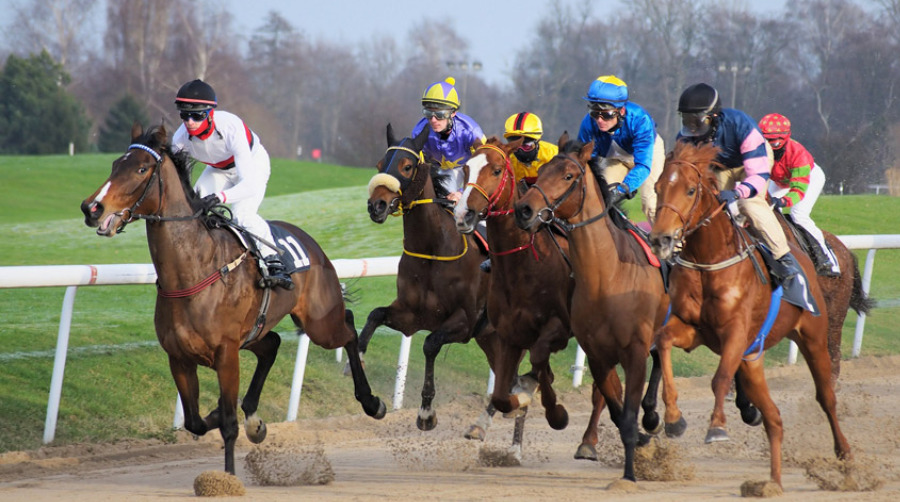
pixel 859 300
pixel 350 291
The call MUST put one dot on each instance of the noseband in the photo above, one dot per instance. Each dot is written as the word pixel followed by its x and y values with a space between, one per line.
pixel 547 214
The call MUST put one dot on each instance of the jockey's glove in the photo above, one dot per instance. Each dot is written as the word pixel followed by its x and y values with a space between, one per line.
pixel 210 201
pixel 728 196
pixel 779 202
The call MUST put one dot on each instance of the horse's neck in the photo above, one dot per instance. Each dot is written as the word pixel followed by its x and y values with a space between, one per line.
pixel 593 246
pixel 179 249
pixel 503 233
pixel 715 241
pixel 429 223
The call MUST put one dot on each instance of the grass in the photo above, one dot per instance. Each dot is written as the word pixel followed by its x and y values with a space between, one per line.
pixel 117 384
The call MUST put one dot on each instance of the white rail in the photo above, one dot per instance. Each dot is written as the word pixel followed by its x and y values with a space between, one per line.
pixel 72 276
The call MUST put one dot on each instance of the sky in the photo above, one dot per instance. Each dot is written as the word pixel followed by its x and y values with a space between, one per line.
pixel 495 32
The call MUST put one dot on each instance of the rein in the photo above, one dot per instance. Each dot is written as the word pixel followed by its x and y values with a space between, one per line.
pixel 495 197
pixel 745 251
pixel 551 207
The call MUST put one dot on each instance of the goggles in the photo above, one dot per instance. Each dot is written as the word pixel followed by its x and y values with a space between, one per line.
pixel 604 114
pixel 695 124
pixel 195 116
pixel 438 114
pixel 527 145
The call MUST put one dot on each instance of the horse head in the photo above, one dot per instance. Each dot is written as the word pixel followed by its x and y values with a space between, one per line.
pixel 398 175
pixel 550 197
pixel 490 183
pixel 686 195
pixel 134 186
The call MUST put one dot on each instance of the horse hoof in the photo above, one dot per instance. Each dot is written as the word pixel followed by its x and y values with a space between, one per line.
pixel 676 429
pixel 426 422
pixel 751 416
pixel 475 432
pixel 558 418
pixel 643 439
pixel 380 412
pixel 651 423
pixel 255 429
pixel 716 435
pixel 347 371
pixel 586 452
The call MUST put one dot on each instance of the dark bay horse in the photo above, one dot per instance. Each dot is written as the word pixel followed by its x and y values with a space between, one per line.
pixel 531 287
pixel 440 287
pixel 619 298
pixel 720 300
pixel 208 305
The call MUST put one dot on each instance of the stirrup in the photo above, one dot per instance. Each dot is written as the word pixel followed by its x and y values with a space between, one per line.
pixel 274 274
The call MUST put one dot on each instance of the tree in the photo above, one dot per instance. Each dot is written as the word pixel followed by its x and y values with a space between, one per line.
pixel 115 134
pixel 37 115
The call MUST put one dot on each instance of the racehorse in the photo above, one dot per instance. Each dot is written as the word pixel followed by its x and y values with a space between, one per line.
pixel 721 300
pixel 531 287
pixel 440 287
pixel 841 292
pixel 208 305
pixel 619 298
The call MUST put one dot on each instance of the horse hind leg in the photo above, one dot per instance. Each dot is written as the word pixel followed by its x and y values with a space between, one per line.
pixel 265 349
pixel 478 430
pixel 749 414
pixel 651 421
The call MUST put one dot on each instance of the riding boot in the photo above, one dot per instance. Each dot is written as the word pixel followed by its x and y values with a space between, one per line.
pixel 823 262
pixel 789 267
pixel 277 274
pixel 486 266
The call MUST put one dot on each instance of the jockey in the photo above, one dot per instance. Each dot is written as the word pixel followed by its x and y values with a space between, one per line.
pixel 627 149
pixel 744 154
pixel 237 166
pixel 796 184
pixel 453 135
pixel 533 153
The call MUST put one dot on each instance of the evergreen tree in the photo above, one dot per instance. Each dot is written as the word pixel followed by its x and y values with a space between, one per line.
pixel 115 134
pixel 37 115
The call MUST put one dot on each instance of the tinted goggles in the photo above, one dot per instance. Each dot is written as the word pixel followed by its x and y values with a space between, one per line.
pixel 604 114
pixel 695 124
pixel 438 114
pixel 195 116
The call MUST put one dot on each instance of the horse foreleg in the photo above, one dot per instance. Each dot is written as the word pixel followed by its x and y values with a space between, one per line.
pixel 372 405
pixel 227 366
pixel 675 424
pixel 651 422
pixel 265 349
pixel 478 430
pixel 454 329
pixel 753 383
pixel 720 384
pixel 635 365
pixel 185 375
pixel 376 318
pixel 587 450
pixel 554 337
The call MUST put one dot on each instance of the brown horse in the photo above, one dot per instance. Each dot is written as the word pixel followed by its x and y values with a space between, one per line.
pixel 440 287
pixel 720 300
pixel 208 305
pixel 842 292
pixel 531 287
pixel 619 298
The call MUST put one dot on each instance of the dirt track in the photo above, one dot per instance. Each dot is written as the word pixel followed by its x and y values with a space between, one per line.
pixel 391 459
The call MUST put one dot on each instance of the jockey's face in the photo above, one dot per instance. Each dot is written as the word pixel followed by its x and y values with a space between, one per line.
pixel 439 119
pixel 606 116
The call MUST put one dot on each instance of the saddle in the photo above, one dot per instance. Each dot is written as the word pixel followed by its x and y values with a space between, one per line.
pixel 811 246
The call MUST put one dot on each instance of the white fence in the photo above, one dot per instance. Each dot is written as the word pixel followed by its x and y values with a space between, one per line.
pixel 72 276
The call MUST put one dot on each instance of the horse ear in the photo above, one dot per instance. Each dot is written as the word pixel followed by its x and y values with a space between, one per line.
pixel 419 141
pixel 563 140
pixel 585 154
pixel 391 139
pixel 136 130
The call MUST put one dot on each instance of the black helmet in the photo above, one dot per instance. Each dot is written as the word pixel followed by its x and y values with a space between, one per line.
pixel 196 95
pixel 699 107
pixel 699 98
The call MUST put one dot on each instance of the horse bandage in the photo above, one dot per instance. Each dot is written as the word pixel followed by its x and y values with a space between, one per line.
pixel 385 180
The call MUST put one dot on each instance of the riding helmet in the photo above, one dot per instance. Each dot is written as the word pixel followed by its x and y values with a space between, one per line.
pixel 196 95
pixel 524 124
pixel 776 129
pixel 608 89
pixel 441 95
pixel 699 98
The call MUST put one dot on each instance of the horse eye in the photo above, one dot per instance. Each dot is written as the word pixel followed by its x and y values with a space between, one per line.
pixel 692 191
pixel 498 171
pixel 143 170
pixel 569 176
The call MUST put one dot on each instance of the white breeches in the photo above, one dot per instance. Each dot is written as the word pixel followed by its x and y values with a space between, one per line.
pixel 800 212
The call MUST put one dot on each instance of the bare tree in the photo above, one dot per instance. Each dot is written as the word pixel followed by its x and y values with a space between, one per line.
pixel 61 27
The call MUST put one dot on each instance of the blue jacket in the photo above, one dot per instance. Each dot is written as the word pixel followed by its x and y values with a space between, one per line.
pixel 636 135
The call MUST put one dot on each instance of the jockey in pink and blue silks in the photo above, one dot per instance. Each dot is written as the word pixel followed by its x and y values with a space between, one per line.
pixel 453 137
pixel 747 161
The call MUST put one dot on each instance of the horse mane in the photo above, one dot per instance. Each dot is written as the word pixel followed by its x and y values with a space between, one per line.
pixel 574 146
pixel 440 191
pixel 156 139
pixel 702 155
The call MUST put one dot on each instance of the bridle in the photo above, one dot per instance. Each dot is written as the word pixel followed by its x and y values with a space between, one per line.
pixel 547 214
pixel 683 231
pixel 506 180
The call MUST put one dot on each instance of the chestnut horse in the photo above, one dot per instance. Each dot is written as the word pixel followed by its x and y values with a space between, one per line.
pixel 208 305
pixel 619 299
pixel 720 300
pixel 531 287
pixel 440 287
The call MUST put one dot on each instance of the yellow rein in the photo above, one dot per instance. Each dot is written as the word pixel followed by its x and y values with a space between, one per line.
pixel 431 256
